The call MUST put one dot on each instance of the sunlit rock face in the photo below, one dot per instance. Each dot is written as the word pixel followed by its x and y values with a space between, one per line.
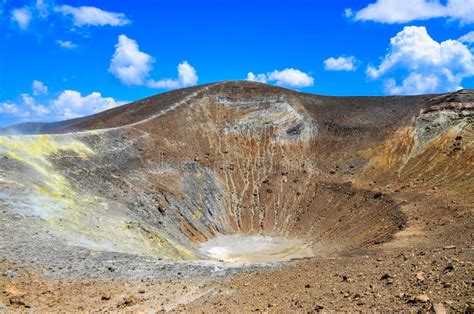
pixel 237 171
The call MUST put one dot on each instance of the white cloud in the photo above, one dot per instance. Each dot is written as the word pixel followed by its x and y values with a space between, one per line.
pixel 341 64
pixel 467 38
pixel 42 8
pixel 9 108
pixel 68 104
pixel 403 11
pixel 462 10
pixel 186 77
pixel 71 104
pixel 39 88
pixel 424 64
pixel 22 17
pixel 66 44
pixel 85 16
pixel 32 108
pixel 129 64
pixel 81 16
pixel 291 77
pixel 262 78
pixel 288 77
pixel 26 108
pixel 132 67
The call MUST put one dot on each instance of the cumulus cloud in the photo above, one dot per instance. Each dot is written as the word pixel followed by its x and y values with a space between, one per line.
pixel 32 108
pixel 25 108
pixel 68 104
pixel 288 77
pixel 66 44
pixel 80 16
pixel 467 38
pixel 92 16
pixel 9 108
pixel 132 67
pixel 22 17
pixel 186 77
pixel 341 64
pixel 71 104
pixel 262 78
pixel 39 88
pixel 425 65
pixel 398 11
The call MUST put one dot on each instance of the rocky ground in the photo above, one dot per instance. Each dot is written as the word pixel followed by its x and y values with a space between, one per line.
pixel 409 280
pixel 427 267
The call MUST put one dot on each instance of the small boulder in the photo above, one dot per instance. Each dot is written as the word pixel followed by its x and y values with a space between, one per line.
pixel 105 296
pixel 449 268
pixel 377 195
pixel 422 298
pixel 438 308
pixel 446 285
pixel 420 276
pixel 18 302
pixel 449 247
pixel 385 276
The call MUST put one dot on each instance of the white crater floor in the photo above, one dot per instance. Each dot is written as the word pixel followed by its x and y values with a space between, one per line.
pixel 254 249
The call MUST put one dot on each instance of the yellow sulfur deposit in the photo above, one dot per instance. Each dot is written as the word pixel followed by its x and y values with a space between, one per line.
pixel 35 151
pixel 81 219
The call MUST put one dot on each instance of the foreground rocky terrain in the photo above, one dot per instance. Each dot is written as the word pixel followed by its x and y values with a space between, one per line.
pixel 241 197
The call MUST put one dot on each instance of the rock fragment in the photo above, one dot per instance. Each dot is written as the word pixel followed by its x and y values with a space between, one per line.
pixel 438 308
pixel 420 276
pixel 422 298
pixel 449 268
pixel 449 247
pixel 105 296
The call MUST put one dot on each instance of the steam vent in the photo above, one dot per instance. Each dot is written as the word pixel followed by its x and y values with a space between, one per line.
pixel 239 186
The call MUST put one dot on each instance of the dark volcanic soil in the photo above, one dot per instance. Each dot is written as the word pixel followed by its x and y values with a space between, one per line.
pixel 374 195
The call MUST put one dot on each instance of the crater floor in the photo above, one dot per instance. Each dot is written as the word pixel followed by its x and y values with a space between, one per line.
pixel 254 249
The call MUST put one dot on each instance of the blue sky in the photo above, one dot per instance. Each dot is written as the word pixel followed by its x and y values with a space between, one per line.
pixel 63 59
